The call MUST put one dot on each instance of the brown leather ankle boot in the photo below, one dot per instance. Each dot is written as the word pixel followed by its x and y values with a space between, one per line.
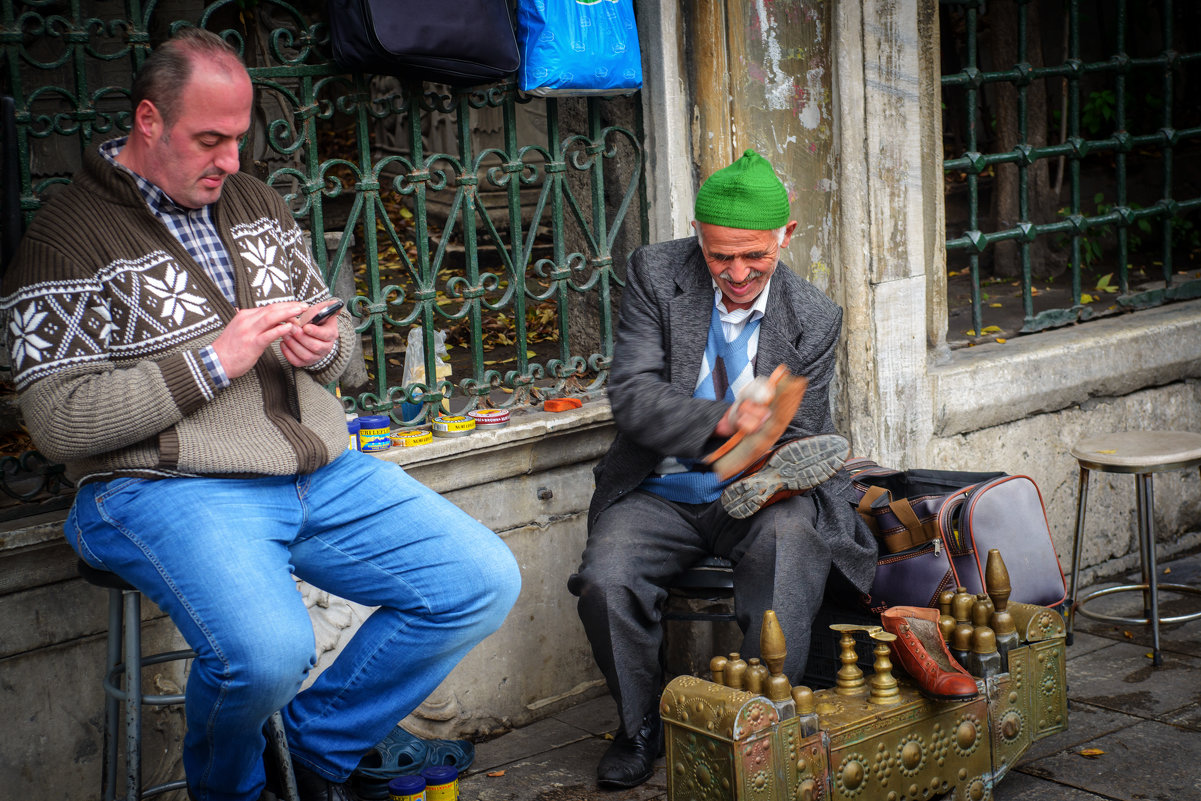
pixel 920 650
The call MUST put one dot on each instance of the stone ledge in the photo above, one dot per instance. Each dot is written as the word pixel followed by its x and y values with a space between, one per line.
pixel 994 384
pixel 532 442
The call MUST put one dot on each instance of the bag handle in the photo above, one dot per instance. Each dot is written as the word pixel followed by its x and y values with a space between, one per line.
pixel 914 532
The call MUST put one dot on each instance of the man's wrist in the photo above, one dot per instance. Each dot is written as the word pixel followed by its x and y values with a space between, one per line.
pixel 212 364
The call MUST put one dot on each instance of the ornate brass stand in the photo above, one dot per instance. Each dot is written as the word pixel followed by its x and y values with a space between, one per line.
pixel 875 739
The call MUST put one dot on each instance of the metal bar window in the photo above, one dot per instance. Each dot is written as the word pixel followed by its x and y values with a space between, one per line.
pixel 489 220
pixel 1122 124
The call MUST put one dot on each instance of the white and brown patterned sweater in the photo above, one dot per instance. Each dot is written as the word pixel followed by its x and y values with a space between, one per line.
pixel 105 312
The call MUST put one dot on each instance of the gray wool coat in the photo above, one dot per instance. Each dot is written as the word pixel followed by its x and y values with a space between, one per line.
pixel 661 335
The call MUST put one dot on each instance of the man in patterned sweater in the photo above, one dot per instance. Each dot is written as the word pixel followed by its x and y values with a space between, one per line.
pixel 700 319
pixel 158 317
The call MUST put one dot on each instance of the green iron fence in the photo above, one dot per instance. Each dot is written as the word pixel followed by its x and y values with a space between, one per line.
pixel 1127 130
pixel 490 221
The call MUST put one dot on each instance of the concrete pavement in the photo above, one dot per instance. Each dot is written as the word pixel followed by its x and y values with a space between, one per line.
pixel 1145 722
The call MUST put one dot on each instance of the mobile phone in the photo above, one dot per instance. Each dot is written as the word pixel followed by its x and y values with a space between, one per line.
pixel 328 312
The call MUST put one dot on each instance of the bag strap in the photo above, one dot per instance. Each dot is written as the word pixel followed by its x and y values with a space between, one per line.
pixel 914 532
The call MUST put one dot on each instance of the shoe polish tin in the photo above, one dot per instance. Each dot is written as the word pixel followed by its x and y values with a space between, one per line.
pixel 452 426
pixel 490 418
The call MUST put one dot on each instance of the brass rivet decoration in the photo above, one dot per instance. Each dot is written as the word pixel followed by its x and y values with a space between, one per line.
pixel 911 755
pixel 852 774
pixel 965 736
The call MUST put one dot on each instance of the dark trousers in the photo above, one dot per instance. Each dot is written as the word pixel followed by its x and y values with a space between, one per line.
pixel 642 542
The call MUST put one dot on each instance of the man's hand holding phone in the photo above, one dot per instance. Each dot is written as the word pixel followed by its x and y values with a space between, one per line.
pixel 313 336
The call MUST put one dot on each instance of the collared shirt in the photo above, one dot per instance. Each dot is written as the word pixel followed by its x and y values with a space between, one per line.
pixel 197 232
pixel 732 322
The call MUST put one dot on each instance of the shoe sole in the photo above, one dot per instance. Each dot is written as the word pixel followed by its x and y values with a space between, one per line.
pixel 615 784
pixel 797 466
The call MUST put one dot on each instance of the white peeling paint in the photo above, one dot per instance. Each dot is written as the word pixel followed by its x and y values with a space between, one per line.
pixel 777 85
pixel 811 114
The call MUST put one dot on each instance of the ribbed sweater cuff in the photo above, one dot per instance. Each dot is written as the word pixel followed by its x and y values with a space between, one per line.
pixel 187 380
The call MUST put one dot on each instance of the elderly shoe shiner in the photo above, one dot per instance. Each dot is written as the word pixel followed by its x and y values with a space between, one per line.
pixel 700 319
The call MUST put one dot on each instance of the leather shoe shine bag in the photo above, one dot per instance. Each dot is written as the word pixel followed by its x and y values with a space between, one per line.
pixel 935 528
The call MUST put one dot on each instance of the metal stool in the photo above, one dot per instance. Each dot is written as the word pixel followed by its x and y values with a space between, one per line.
pixel 123 685
pixel 1142 453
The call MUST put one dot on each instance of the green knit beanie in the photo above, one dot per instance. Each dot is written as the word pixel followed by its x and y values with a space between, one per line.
pixel 747 194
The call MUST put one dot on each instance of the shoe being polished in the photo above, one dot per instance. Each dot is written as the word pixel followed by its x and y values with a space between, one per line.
pixel 920 649
pixel 630 761
pixel 796 466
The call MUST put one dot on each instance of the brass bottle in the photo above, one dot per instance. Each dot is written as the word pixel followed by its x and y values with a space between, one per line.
pixel 946 621
pixel 961 637
pixel 806 709
pixel 717 669
pixel 756 676
pixel 736 672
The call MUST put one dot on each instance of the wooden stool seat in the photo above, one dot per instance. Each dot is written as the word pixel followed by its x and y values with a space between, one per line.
pixel 1142 453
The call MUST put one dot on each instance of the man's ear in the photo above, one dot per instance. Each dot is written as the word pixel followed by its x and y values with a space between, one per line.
pixel 147 121
pixel 788 230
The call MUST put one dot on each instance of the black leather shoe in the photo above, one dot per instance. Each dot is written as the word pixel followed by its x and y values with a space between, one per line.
pixel 630 761
pixel 312 786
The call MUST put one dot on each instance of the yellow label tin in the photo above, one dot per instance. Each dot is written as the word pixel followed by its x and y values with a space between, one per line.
pixel 452 426
pixel 411 437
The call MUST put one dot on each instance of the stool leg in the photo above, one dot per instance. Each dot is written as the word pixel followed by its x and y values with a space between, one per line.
pixel 277 744
pixel 133 695
pixel 112 705
pixel 1146 532
pixel 1081 502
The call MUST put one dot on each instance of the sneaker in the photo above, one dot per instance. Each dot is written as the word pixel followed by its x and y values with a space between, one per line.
pixel 796 466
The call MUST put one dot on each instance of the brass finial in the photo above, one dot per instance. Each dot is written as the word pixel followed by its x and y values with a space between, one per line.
pixel 883 684
pixel 996 579
pixel 774 650
pixel 771 643
pixel 849 679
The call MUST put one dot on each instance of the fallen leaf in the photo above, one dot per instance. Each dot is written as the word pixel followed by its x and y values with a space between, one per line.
pixel 1111 450
pixel 1001 340
pixel 1167 570
pixel 1091 753
pixel 1127 635
pixel 1149 655
pixel 991 329
pixel 495 773
pixel 994 305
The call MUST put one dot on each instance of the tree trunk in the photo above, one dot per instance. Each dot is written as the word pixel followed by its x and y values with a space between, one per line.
pixel 1003 48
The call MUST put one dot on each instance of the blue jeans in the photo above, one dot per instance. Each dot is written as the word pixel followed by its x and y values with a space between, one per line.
pixel 218 556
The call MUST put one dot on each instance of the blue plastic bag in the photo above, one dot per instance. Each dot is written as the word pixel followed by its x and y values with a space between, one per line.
pixel 578 47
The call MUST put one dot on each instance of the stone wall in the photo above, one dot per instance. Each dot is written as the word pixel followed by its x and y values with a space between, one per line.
pixel 530 482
